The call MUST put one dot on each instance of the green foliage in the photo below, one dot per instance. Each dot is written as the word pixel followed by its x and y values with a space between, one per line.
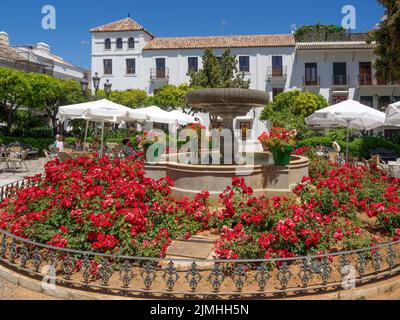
pixel 289 110
pixel 218 73
pixel 134 98
pixel 318 32
pixel 172 97
pixel 387 37
pixel 48 93
pixel 14 92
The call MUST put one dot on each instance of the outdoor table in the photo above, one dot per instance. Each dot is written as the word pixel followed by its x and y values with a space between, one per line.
pixel 394 169
pixel 78 154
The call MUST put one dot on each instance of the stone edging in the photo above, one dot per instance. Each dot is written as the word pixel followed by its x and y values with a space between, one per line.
pixel 64 293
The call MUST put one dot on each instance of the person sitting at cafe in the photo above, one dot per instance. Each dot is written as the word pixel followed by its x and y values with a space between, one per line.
pixel 78 146
pixel 96 144
pixel 59 143
pixel 127 147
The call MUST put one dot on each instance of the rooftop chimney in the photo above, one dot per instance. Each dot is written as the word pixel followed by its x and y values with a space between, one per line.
pixel 42 46
pixel 4 38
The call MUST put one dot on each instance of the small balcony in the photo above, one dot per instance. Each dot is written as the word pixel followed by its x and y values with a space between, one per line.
pixel 159 75
pixel 312 82
pixel 277 73
pixel 367 80
pixel 340 81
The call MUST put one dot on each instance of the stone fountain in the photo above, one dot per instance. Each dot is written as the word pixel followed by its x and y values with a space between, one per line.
pixel 265 178
pixel 228 104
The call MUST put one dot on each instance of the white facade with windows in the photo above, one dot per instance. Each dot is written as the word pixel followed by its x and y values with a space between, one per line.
pixel 130 57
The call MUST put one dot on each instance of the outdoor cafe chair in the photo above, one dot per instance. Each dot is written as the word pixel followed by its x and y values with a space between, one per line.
pixel 18 158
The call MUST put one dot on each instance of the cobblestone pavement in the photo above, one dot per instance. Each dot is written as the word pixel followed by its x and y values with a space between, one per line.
pixel 9 176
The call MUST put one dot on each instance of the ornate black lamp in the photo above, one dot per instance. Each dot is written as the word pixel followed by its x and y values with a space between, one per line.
pixel 107 88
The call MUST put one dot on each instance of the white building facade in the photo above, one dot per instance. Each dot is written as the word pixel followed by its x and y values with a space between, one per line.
pixel 130 57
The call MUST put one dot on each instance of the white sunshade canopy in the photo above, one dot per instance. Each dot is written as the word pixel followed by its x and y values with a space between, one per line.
pixel 155 114
pixel 101 111
pixel 350 114
pixel 393 114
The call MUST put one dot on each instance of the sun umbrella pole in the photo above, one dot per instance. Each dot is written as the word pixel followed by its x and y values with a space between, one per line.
pixel 102 139
pixel 86 133
pixel 347 142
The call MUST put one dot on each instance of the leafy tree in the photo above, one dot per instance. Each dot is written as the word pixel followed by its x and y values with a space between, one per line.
pixel 218 72
pixel 171 97
pixel 387 37
pixel 14 91
pixel 48 93
pixel 289 109
pixel 134 98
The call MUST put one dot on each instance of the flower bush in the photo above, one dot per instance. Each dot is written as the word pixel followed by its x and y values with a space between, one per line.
pixel 112 207
pixel 278 138
pixel 103 206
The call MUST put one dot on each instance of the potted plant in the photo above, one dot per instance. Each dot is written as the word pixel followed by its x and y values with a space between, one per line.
pixel 281 142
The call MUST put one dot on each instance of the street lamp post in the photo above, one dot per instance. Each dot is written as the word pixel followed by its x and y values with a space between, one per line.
pixel 84 86
pixel 96 83
pixel 107 88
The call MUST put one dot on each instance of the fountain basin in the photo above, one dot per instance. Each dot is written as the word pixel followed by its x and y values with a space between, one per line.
pixel 265 178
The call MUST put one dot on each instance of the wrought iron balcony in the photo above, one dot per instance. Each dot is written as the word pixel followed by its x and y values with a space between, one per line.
pixel 157 74
pixel 369 80
pixel 312 82
pixel 340 80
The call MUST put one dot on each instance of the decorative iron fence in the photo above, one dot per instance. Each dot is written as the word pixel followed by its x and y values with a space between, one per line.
pixel 125 275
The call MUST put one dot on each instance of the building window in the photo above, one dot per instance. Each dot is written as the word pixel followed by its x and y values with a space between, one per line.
pixel 311 74
pixel 107 66
pixel 277 66
pixel 131 43
pixel 339 73
pixel 193 64
pixel 367 101
pixel 244 64
pixel 130 66
pixel 365 69
pixel 160 68
pixel 276 91
pixel 107 44
pixel 383 103
pixel 119 43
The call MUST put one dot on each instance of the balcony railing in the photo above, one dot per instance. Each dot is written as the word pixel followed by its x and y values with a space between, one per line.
pixel 277 72
pixel 157 74
pixel 340 80
pixel 369 80
pixel 313 82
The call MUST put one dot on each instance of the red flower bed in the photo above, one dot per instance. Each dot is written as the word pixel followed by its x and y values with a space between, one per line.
pixel 110 206
pixel 104 206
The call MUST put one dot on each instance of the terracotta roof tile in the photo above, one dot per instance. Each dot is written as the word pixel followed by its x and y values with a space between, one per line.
pixel 126 24
pixel 221 42
pixel 334 45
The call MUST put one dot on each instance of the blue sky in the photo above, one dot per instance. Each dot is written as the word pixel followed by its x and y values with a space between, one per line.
pixel 21 19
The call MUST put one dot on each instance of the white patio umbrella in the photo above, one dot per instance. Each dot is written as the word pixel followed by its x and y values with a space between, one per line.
pixel 350 114
pixel 156 114
pixel 393 114
pixel 183 117
pixel 99 111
